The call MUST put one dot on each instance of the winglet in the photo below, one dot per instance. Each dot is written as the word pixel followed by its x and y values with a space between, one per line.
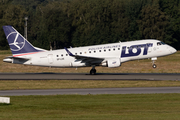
pixel 70 54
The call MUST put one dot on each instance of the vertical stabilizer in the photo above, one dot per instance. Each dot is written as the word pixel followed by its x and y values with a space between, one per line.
pixel 17 43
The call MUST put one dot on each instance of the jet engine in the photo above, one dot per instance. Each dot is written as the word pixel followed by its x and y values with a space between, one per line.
pixel 112 63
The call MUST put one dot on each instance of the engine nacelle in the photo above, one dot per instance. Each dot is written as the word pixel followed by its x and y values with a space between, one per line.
pixel 112 63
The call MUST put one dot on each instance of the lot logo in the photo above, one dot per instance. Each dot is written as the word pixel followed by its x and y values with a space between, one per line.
pixel 135 50
pixel 16 41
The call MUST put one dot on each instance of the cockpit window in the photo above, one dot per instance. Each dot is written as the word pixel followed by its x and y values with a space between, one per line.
pixel 160 43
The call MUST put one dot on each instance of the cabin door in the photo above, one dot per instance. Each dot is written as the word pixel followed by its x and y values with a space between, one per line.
pixel 50 58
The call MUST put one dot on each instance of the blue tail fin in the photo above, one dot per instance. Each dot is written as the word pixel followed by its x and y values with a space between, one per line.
pixel 17 43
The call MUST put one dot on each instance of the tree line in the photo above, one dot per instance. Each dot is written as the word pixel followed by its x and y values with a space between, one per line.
pixel 64 23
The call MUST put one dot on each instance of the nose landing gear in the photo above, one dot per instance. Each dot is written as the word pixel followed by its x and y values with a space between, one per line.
pixel 153 61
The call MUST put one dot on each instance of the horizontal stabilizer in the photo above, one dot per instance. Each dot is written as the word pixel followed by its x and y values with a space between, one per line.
pixel 10 59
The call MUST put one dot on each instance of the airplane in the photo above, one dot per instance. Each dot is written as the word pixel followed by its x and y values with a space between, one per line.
pixel 105 55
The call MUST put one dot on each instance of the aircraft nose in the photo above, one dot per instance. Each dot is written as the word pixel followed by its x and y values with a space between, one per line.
pixel 172 50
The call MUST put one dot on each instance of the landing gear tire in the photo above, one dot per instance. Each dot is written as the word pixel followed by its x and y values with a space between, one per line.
pixel 154 66
pixel 92 71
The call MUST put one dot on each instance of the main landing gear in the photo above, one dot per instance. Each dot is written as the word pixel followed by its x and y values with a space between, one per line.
pixel 93 71
pixel 153 61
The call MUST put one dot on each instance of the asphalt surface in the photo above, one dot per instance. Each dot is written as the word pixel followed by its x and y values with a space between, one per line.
pixel 146 90
pixel 99 76
pixel 83 76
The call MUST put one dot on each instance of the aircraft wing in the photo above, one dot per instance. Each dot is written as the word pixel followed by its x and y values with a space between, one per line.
pixel 85 58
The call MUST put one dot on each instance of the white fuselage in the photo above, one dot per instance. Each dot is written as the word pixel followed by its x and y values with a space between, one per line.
pixel 124 51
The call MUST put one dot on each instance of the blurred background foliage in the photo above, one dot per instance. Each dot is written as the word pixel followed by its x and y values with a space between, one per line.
pixel 64 23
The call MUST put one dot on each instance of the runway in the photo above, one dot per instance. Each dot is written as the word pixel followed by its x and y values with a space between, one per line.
pixel 84 76
pixel 146 90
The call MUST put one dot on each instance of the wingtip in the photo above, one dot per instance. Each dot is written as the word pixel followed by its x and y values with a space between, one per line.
pixel 70 54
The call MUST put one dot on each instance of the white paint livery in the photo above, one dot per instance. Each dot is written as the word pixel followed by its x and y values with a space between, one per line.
pixel 106 55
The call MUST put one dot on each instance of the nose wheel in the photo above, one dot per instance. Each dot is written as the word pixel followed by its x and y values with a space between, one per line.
pixel 93 71
pixel 154 65
pixel 153 61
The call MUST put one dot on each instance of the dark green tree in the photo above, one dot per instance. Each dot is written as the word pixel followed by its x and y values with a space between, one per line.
pixel 153 23
pixel 172 8
pixel 66 23
pixel 10 15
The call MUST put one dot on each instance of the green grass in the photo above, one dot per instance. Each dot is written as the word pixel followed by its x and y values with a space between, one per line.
pixel 96 107
pixel 64 84
pixel 5 52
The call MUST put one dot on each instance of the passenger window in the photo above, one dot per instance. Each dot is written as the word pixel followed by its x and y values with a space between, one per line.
pixel 61 55
pixel 114 49
pixel 57 55
pixel 80 52
pixel 75 53
pixel 104 50
pixel 89 51
pixel 109 49
pixel 66 54
pixel 118 48
pixel 99 50
pixel 94 51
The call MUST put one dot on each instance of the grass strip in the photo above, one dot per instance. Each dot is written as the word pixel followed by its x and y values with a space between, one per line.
pixel 63 84
pixel 96 107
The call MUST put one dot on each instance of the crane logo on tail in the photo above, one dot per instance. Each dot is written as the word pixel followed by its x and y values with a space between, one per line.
pixel 17 40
